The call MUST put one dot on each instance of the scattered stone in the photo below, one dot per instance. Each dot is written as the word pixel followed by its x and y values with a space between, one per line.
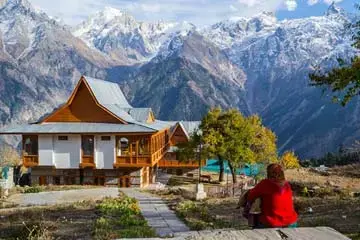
pixel 310 210
pixel 355 194
pixel 330 183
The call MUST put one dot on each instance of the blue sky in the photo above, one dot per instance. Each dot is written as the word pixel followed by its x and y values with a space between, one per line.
pixel 303 9
pixel 199 12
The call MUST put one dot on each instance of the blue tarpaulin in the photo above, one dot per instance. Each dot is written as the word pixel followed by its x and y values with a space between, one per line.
pixel 213 165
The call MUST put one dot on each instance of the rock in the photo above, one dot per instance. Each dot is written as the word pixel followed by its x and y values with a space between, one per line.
pixel 330 183
pixel 355 194
pixel 315 188
pixel 200 192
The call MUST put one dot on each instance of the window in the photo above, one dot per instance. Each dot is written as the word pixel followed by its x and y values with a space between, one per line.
pixel 144 146
pixel 105 138
pixel 30 145
pixel 123 147
pixel 87 144
pixel 62 138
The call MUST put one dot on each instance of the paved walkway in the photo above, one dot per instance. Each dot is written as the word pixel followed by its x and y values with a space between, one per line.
pixel 60 197
pixel 158 215
pixel 318 233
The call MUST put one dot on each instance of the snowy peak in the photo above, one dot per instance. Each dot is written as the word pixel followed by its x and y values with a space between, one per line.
pixel 334 9
pixel 110 13
pixel 12 5
pixel 120 35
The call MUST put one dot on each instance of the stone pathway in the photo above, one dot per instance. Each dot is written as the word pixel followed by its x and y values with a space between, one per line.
pixel 158 215
pixel 318 233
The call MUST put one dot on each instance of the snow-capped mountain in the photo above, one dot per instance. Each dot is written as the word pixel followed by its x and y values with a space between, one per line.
pixel 277 59
pixel 188 75
pixel 259 65
pixel 120 35
pixel 40 61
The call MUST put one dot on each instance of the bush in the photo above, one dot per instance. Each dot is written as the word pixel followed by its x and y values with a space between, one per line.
pixel 33 189
pixel 289 160
pixel 121 218
pixel 124 206
pixel 137 232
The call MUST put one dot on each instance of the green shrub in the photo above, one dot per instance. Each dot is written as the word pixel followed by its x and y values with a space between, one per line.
pixel 120 218
pixel 125 206
pixel 33 189
pixel 137 232
pixel 132 220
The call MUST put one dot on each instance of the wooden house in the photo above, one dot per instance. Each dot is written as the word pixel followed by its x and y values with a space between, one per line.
pixel 97 137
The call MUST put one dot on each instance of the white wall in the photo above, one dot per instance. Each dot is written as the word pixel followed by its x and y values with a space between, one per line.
pixel 46 150
pixel 104 152
pixel 67 154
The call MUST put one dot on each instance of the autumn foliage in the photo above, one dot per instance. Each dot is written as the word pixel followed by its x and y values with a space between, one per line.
pixel 289 160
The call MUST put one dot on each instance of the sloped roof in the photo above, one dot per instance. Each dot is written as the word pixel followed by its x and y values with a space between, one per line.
pixel 107 92
pixel 189 127
pixel 110 97
pixel 120 112
pixel 139 114
pixel 61 127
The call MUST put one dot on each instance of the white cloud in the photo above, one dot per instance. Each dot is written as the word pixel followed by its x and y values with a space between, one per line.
pixel 233 8
pixel 331 1
pixel 291 5
pixel 249 3
pixel 199 12
pixel 312 2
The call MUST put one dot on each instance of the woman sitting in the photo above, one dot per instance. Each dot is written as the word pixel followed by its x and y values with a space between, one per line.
pixel 277 208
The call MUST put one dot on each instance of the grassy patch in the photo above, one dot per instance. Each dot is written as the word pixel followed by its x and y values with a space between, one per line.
pixel 47 188
pixel 120 218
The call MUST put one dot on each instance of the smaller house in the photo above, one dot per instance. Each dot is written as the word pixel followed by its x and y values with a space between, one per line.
pixel 97 137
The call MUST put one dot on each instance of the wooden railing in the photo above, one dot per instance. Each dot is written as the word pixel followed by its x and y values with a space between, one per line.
pixel 165 163
pixel 159 154
pixel 87 161
pixel 30 160
pixel 133 161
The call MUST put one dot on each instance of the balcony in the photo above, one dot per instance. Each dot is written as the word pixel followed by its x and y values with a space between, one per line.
pixel 133 161
pixel 30 160
pixel 165 163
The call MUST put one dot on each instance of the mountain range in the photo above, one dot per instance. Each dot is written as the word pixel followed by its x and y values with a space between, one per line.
pixel 259 65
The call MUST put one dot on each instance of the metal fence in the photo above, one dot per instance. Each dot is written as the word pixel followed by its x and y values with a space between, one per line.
pixel 228 190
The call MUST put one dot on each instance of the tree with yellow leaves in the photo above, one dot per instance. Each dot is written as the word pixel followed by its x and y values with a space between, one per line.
pixel 9 156
pixel 289 160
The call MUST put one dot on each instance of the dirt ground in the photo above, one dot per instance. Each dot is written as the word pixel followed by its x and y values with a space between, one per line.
pixel 73 221
pixel 337 210
pixel 338 176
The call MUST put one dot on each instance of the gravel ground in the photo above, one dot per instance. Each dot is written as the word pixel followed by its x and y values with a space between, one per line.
pixel 60 197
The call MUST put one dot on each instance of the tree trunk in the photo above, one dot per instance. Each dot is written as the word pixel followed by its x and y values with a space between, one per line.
pixel 221 173
pixel 233 173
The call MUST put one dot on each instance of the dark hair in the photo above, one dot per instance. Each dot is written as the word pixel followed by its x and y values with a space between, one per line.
pixel 275 172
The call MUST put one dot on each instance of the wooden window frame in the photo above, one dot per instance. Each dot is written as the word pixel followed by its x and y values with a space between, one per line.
pixel 82 147
pixel 105 138
pixel 33 138
pixel 63 138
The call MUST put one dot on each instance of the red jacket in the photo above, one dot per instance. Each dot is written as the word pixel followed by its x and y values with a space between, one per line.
pixel 277 208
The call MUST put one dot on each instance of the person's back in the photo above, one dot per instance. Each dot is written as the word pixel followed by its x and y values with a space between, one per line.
pixel 277 208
